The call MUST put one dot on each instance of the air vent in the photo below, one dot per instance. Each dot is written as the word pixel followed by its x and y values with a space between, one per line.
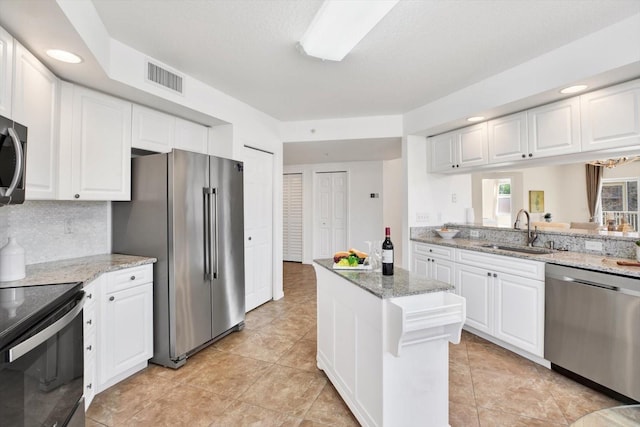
pixel 164 77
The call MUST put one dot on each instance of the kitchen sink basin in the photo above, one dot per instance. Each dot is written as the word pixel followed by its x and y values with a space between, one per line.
pixel 521 249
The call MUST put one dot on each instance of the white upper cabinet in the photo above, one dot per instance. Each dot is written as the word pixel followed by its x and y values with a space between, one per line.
pixel 152 130
pixel 35 105
pixel 554 129
pixel 191 136
pixel 508 139
pixel 472 146
pixel 95 146
pixel 610 118
pixel 459 149
pixel 6 72
pixel 443 148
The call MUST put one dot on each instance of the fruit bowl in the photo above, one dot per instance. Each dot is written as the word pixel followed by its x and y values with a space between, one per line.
pixel 449 233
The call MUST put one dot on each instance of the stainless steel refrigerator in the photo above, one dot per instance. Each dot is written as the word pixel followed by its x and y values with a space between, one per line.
pixel 186 210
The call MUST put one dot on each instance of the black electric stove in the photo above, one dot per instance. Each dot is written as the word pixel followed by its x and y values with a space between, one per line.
pixel 23 307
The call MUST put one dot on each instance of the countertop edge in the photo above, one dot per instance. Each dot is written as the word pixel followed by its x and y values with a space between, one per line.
pixel 407 284
pixel 83 269
pixel 594 262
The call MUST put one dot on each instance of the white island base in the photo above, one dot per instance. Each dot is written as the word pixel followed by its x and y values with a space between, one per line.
pixel 388 357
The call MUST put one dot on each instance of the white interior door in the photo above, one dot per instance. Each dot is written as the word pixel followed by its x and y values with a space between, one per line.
pixel 331 218
pixel 292 217
pixel 258 227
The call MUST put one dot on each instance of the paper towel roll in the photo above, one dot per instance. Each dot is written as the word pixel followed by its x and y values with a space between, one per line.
pixel 471 216
pixel 12 261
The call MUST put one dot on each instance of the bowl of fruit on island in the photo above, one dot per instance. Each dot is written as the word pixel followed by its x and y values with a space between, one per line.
pixel 352 258
pixel 447 233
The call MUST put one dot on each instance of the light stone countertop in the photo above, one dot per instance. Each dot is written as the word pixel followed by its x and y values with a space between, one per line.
pixel 593 262
pixel 82 269
pixel 401 284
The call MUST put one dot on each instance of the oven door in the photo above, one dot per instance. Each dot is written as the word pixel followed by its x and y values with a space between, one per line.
pixel 41 373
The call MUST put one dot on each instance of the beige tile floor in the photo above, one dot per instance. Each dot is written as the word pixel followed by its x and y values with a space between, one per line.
pixel 266 375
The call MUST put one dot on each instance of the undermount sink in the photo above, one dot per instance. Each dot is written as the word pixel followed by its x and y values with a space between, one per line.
pixel 521 249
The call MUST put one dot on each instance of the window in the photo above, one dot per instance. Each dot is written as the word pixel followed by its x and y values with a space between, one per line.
pixel 504 198
pixel 619 198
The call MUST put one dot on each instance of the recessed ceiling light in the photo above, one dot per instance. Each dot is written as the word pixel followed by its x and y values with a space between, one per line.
pixel 574 89
pixel 64 56
pixel 475 119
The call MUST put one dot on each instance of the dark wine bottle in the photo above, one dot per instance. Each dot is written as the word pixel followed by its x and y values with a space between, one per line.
pixel 387 253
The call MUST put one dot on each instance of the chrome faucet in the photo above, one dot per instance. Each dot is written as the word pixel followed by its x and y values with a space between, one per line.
pixel 531 236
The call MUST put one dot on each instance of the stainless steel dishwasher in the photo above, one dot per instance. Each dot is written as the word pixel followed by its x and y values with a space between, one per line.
pixel 592 326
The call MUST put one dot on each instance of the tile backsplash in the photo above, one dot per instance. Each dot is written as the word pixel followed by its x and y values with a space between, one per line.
pixel 55 230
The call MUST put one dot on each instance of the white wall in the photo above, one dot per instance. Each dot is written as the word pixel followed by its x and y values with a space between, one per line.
pixel 365 213
pixel 392 202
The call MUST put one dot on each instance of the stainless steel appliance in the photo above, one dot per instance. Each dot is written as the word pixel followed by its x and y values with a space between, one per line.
pixel 41 356
pixel 13 152
pixel 592 326
pixel 186 210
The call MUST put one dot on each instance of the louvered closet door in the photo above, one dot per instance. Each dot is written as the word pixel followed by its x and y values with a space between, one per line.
pixel 292 217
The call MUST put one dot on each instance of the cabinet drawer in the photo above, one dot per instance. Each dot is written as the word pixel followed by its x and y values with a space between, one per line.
pixel 434 251
pixel 505 264
pixel 129 277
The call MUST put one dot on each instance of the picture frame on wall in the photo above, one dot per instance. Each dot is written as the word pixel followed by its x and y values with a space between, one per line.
pixel 536 201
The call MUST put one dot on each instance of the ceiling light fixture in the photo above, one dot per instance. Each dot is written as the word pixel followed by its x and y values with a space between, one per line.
pixel 574 89
pixel 64 56
pixel 475 119
pixel 339 26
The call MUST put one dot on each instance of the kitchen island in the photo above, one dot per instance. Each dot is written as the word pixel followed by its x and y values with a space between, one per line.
pixel 383 343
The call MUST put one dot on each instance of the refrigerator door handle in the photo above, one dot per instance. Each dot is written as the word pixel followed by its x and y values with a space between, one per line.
pixel 214 234
pixel 206 207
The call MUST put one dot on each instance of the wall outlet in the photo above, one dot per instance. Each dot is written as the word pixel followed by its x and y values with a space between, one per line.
pixel 474 233
pixel 592 245
pixel 422 217
pixel 68 226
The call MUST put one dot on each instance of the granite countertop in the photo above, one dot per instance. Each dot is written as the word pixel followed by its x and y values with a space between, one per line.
pixel 401 284
pixel 593 262
pixel 82 269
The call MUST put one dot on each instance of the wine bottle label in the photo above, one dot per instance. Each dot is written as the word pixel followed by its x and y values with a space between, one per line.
pixel 387 256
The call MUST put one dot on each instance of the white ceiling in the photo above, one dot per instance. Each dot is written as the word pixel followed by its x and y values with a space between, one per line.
pixel 421 51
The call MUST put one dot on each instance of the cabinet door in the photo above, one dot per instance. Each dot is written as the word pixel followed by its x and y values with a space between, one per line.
pixel 152 130
pixel 89 318
pixel 554 128
pixel 442 151
pixel 444 271
pixel 610 117
pixel 191 136
pixel 35 100
pixel 421 265
pixel 475 285
pixel 6 72
pixel 508 139
pixel 472 146
pixel 126 330
pixel 100 148
pixel 519 316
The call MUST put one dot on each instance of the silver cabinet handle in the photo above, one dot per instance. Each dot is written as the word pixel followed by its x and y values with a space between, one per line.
pixel 112 298
pixel 89 386
pixel 89 296
pixel 30 343
pixel 19 156
pixel 89 347
pixel 89 322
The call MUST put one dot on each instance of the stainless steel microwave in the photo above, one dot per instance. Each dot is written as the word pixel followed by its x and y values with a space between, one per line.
pixel 13 161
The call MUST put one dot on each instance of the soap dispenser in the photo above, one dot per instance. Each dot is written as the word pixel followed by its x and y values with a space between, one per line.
pixel 12 262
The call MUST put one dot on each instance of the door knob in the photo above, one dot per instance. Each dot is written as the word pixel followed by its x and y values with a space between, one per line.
pixel 249 237
pixel 111 298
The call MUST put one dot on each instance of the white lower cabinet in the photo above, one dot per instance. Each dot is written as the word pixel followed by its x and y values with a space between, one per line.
pixel 505 298
pixel 434 262
pixel 118 327
pixel 89 314
pixel 476 286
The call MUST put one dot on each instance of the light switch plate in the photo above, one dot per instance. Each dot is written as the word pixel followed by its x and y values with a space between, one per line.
pixel 592 245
